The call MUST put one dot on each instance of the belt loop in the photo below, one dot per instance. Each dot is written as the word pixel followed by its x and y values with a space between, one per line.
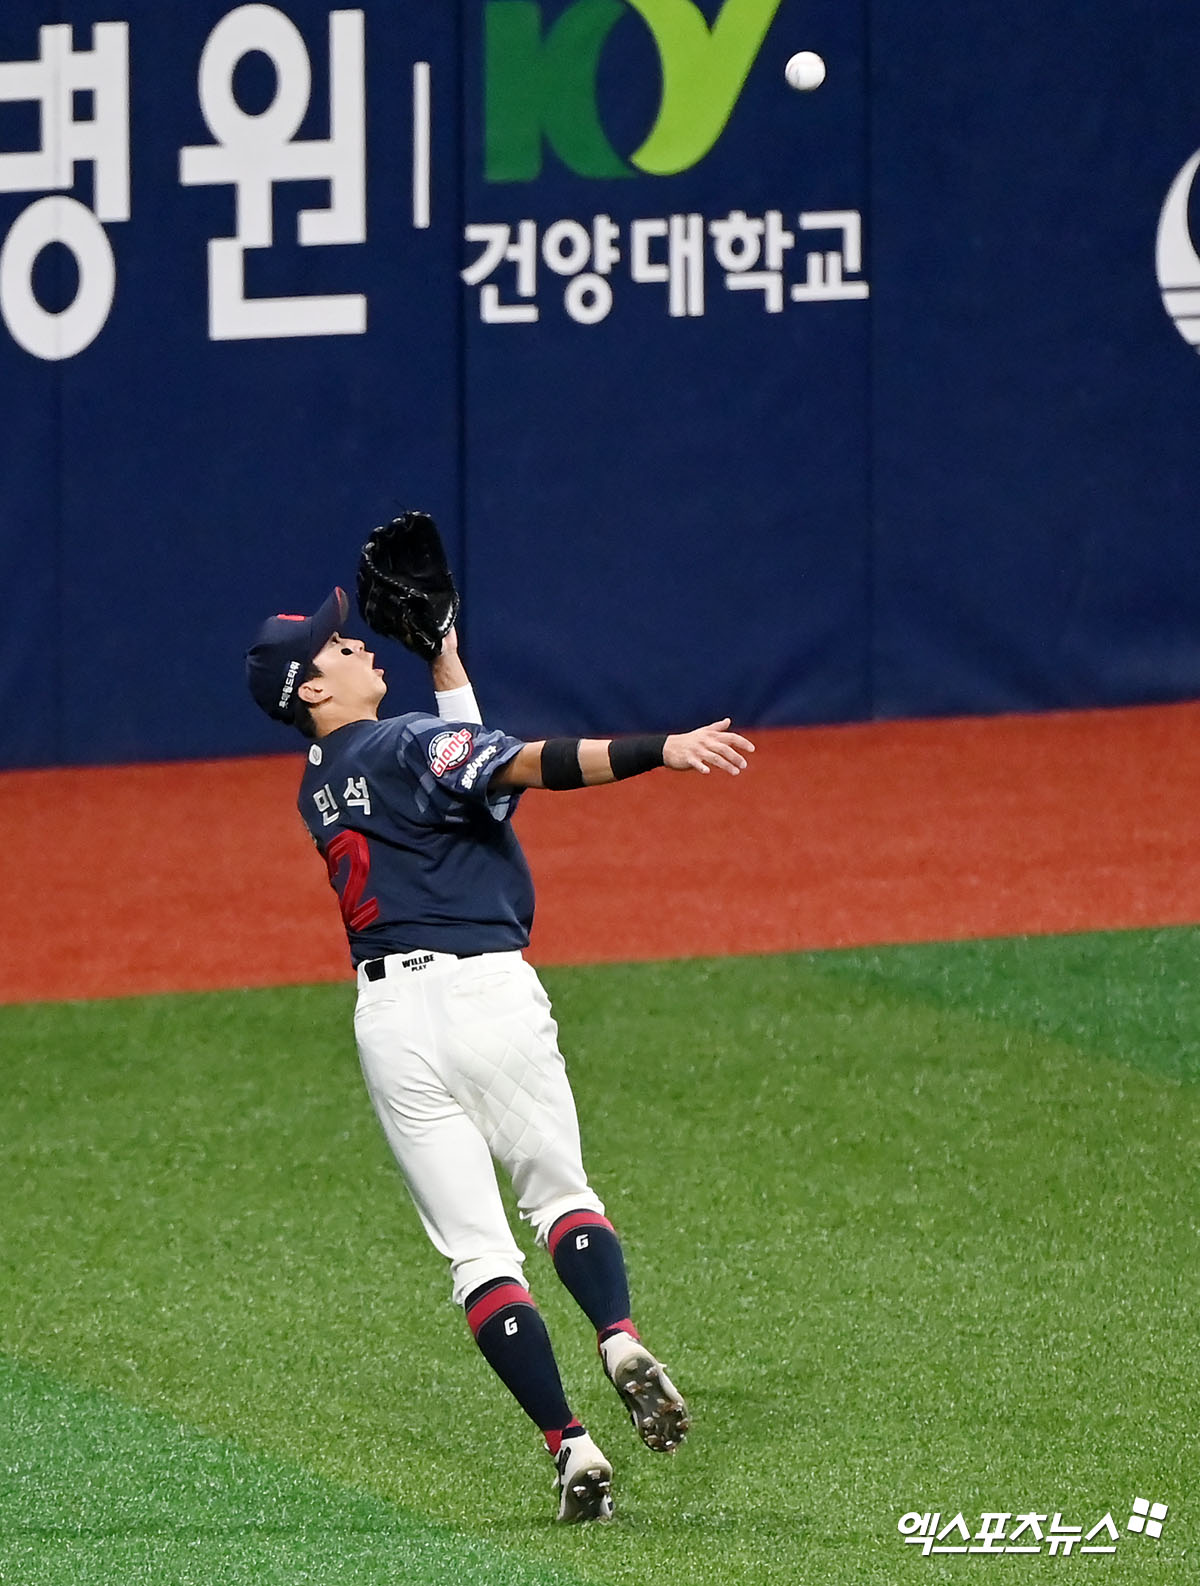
pixel 375 969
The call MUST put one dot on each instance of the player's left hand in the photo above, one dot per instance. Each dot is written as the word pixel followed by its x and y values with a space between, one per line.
pixel 706 748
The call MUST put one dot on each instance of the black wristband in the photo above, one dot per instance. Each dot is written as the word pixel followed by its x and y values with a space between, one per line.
pixel 632 756
pixel 560 764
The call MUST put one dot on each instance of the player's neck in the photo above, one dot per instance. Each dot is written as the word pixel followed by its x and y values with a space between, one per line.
pixel 334 716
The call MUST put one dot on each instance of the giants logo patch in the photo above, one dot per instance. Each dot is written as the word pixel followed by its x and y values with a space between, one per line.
pixel 449 749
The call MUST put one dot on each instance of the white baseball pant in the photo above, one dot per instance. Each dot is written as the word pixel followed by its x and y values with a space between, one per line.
pixel 461 1061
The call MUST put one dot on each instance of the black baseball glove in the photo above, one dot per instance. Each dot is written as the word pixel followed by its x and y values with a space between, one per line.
pixel 405 587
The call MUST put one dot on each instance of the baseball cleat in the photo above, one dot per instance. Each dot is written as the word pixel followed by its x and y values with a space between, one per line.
pixel 655 1405
pixel 584 1480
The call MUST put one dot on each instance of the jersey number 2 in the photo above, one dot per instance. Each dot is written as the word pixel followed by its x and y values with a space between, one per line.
pixel 349 861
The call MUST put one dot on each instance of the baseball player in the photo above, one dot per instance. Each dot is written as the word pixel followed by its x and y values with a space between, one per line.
pixel 455 1035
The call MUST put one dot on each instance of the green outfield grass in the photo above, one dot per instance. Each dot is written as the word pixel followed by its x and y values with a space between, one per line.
pixel 915 1229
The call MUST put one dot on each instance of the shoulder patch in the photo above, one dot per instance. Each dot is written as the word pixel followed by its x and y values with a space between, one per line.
pixel 449 749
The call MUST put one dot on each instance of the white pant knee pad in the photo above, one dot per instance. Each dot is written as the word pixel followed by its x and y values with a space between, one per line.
pixel 543 1218
pixel 469 1275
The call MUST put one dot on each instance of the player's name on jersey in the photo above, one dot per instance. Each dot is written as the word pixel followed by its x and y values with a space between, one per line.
pixel 355 795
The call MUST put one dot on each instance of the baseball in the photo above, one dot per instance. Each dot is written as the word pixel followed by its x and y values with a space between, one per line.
pixel 805 70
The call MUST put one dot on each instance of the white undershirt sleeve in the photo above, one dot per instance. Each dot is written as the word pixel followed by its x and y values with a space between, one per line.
pixel 458 704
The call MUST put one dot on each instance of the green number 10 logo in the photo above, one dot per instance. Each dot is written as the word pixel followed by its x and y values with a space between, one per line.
pixel 541 86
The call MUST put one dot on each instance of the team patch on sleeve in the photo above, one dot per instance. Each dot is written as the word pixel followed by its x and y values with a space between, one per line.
pixel 449 749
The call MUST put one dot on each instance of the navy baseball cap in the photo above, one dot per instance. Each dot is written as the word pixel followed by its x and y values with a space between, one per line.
pixel 282 649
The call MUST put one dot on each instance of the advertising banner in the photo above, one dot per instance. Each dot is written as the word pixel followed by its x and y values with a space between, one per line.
pixel 872 398
pixel 215 292
pixel 666 348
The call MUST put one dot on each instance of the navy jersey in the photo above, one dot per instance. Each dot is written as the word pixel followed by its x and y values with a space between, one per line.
pixel 420 850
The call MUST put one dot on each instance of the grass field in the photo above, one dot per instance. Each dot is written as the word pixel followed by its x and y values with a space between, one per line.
pixel 915 1229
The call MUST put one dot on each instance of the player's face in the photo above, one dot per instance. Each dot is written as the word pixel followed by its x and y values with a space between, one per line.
pixel 349 671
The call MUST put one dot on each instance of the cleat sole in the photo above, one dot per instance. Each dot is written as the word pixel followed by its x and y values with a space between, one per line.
pixel 588 1496
pixel 660 1417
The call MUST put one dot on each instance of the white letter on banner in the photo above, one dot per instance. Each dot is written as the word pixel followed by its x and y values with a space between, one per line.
pixel 253 152
pixel 99 139
pixel 55 336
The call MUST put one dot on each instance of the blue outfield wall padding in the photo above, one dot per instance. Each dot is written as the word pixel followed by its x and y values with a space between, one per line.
pixel 729 398
pixel 1035 411
pixel 30 634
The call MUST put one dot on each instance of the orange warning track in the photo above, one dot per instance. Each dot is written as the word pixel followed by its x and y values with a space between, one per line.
pixel 199 875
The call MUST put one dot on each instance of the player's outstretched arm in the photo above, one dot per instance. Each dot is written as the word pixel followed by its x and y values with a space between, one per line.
pixel 452 687
pixel 705 749
pixel 590 762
